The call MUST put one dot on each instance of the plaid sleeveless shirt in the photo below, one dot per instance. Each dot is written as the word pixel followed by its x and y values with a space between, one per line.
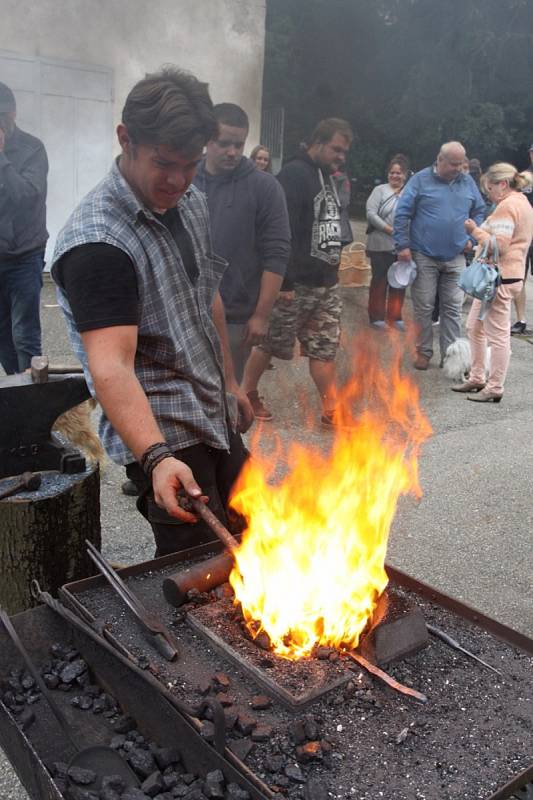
pixel 179 359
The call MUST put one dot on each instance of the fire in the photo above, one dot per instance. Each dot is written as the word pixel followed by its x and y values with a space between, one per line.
pixel 310 568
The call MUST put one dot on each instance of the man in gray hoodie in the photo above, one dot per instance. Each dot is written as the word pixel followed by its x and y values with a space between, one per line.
pixel 250 229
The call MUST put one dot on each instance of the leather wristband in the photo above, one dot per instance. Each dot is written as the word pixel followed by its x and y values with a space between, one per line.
pixel 152 453
pixel 152 464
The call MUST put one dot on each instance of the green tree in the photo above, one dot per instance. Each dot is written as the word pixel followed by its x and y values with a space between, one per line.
pixel 407 74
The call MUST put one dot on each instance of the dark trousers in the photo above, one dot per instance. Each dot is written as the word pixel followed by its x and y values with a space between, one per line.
pixel 215 471
pixel 384 302
pixel 21 280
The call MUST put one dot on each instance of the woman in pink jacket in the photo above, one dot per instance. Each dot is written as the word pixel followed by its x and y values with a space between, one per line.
pixel 511 223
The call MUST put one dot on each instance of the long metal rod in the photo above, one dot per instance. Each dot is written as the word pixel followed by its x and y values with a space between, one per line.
pixel 159 636
pixel 444 637
pixel 383 676
pixel 214 523
pixel 120 587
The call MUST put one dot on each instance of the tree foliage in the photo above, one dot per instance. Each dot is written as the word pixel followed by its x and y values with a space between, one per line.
pixel 408 75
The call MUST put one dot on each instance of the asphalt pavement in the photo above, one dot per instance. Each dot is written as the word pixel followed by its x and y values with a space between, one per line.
pixel 471 533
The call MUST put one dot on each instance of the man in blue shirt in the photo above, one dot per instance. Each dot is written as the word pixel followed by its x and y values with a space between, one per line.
pixel 429 228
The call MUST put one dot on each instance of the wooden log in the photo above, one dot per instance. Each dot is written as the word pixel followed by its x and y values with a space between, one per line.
pixel 42 535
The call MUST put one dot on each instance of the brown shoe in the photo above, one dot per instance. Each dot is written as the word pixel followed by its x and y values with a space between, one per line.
pixel 421 361
pixel 260 410
pixel 468 386
pixel 485 397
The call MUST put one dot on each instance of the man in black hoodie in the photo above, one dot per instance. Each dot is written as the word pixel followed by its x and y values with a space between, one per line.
pixel 309 306
pixel 250 229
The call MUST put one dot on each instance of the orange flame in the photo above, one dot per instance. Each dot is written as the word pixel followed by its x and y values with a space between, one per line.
pixel 310 568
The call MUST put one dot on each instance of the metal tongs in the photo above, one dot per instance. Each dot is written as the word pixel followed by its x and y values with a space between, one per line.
pixel 156 633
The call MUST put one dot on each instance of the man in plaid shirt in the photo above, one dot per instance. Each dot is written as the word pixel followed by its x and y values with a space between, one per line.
pixel 138 284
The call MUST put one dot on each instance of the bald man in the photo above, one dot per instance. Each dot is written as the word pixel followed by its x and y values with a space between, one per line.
pixel 429 228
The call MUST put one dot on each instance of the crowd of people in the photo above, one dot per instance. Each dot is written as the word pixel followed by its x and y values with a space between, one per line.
pixel 189 267
pixel 433 221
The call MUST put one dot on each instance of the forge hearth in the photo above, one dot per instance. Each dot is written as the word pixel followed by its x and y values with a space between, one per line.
pixel 469 740
pixel 397 630
pixel 295 684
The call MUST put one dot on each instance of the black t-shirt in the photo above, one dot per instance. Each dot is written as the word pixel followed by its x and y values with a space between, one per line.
pixel 101 283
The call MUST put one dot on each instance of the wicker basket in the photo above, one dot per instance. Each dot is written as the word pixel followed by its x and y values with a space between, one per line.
pixel 354 269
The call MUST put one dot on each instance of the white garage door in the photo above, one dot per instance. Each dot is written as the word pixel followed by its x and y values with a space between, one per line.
pixel 69 107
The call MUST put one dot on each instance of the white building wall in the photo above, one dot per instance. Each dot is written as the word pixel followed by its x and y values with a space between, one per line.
pixel 220 41
pixel 71 64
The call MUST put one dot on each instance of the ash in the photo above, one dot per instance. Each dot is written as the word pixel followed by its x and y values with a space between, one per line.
pixel 362 741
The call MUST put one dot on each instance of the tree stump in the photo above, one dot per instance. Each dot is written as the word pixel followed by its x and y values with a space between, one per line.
pixel 42 535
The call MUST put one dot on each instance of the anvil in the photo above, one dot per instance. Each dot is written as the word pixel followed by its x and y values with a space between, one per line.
pixel 30 403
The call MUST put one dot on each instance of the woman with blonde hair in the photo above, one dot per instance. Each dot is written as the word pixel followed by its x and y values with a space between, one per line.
pixel 511 223
pixel 260 155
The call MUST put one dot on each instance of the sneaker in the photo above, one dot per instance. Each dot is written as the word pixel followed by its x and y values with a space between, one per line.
pixel 128 488
pixel 260 410
pixel 518 328
pixel 421 362
pixel 399 324
pixel 379 324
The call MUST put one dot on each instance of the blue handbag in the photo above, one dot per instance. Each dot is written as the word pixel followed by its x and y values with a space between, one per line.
pixel 482 278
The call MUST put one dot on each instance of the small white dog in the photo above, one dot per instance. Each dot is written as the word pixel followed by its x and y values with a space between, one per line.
pixel 458 360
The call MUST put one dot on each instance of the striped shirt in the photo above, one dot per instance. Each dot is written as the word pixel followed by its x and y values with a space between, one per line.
pixel 179 359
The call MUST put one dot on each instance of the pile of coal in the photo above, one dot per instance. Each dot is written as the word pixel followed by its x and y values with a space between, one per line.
pixel 19 692
pixel 244 728
pixel 291 752
pixel 161 772
pixel 64 671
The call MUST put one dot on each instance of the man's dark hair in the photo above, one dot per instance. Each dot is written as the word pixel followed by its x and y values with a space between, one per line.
pixel 232 115
pixel 327 128
pixel 170 107
pixel 7 99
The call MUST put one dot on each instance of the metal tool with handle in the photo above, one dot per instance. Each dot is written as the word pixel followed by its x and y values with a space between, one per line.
pixel 196 505
pixel 157 634
pixel 444 637
pixel 28 482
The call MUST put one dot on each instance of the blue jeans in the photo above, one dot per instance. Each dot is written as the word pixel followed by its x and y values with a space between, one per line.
pixel 21 280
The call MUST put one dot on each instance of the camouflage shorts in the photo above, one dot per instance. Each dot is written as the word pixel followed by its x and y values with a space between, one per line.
pixel 313 317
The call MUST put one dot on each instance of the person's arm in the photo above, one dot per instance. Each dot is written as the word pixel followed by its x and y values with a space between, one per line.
pixel 372 207
pixel 479 207
pixel 273 239
pixel 111 354
pixel 405 211
pixel 294 189
pixel 246 414
pixel 100 283
pixel 501 226
pixel 25 184
pixel 257 325
pixel 478 211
